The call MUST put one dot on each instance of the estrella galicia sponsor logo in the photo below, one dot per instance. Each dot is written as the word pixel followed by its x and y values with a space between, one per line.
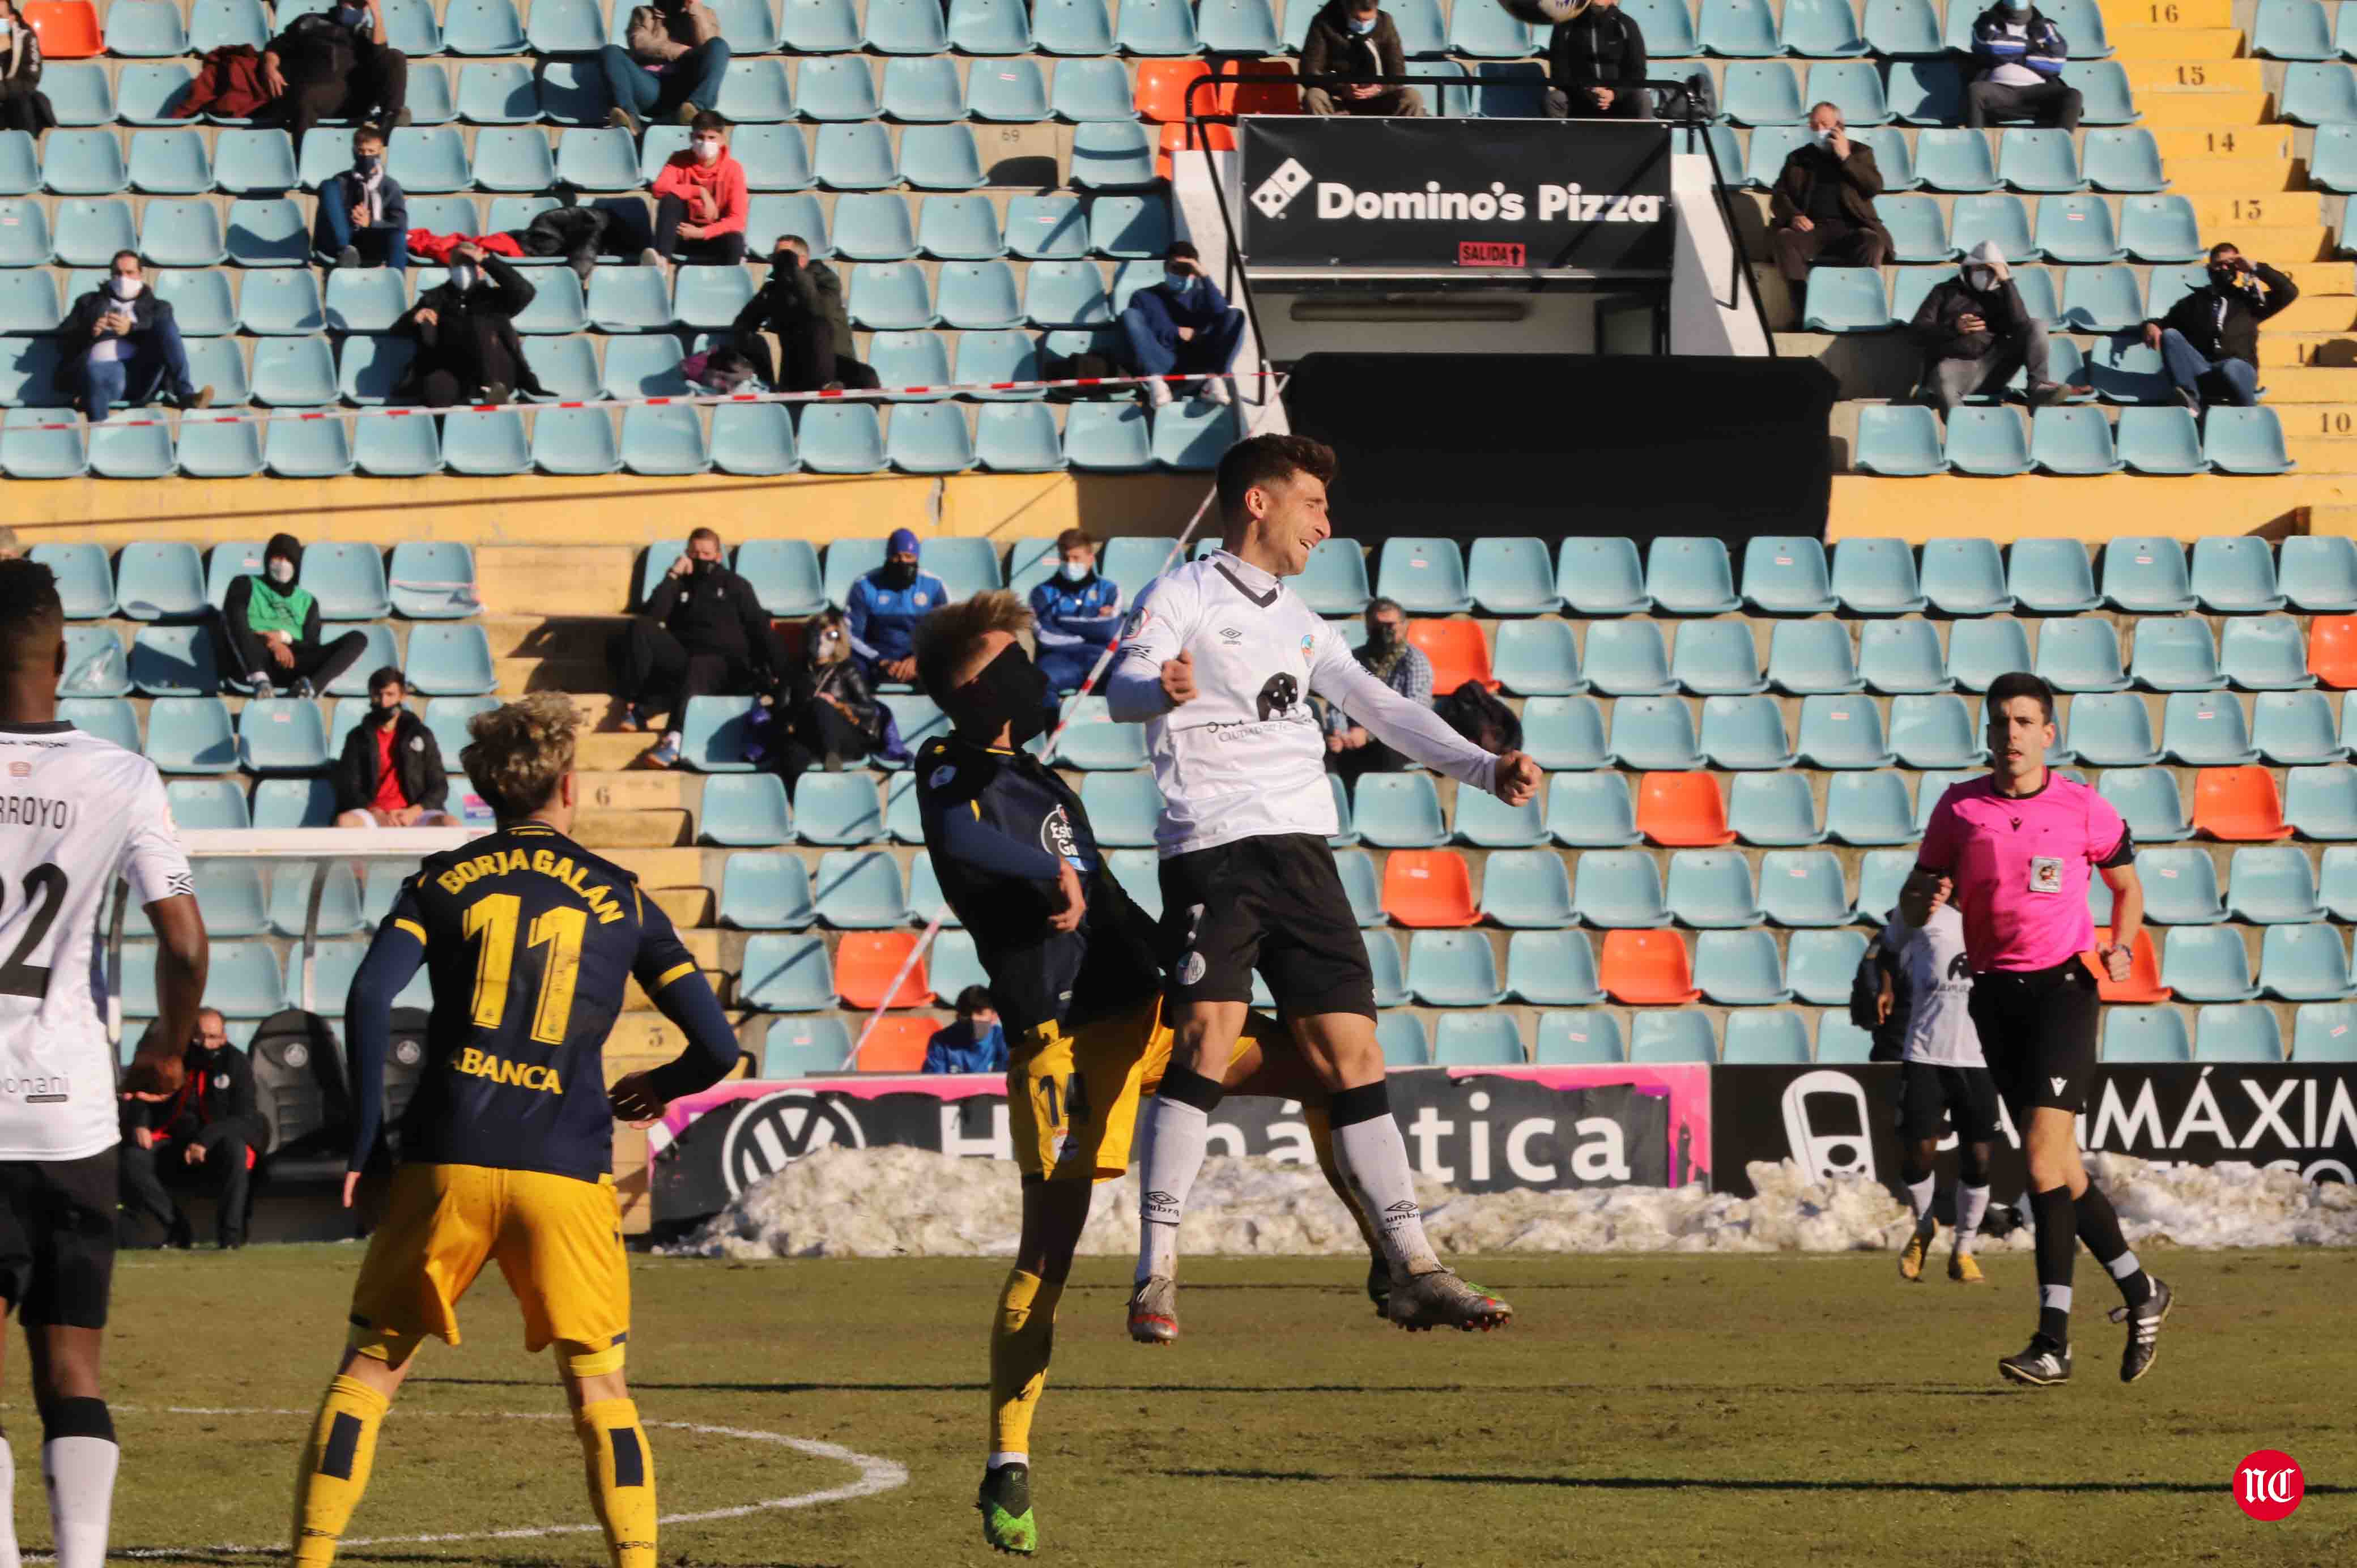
pixel 1056 834
pixel 776 1130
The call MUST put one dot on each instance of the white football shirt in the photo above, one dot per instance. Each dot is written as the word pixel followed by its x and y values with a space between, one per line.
pixel 76 815
pixel 1940 984
pixel 1246 756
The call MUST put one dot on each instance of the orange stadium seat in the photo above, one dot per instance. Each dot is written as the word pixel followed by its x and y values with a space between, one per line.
pixel 1162 90
pixel 896 1044
pixel 2143 985
pixel 67 29
pixel 866 962
pixel 2240 805
pixel 1647 969
pixel 1266 88
pixel 1215 138
pixel 1429 888
pixel 1457 651
pixel 1682 810
pixel 2332 650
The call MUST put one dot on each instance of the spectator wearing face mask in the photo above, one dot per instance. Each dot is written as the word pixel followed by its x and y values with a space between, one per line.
pixel 701 201
pixel 334 64
pixel 1390 658
pixel 391 774
pixel 1183 324
pixel 1975 333
pixel 826 714
pixel 703 633
pixel 722 371
pixel 2018 55
pixel 270 625
pixel 468 348
pixel 22 106
pixel 1823 205
pixel 802 302
pixel 203 1135
pixel 2210 338
pixel 364 217
pixel 884 607
pixel 976 1043
pixel 1596 66
pixel 121 345
pixel 1356 38
pixel 672 68
pixel 1076 615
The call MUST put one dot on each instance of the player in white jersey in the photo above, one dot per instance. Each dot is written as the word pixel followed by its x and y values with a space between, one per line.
pixel 76 815
pixel 1218 663
pixel 1943 1078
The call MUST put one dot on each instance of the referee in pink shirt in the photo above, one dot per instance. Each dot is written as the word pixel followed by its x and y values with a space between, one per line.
pixel 2016 850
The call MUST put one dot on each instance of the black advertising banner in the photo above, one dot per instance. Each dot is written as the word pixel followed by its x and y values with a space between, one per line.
pixel 1483 1130
pixel 1429 194
pixel 1837 1121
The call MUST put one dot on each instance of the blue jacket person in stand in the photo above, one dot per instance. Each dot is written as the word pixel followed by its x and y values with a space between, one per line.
pixel 1182 326
pixel 1076 615
pixel 976 1043
pixel 884 607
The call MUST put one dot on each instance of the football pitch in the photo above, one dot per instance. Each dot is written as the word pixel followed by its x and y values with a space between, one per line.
pixel 1759 1411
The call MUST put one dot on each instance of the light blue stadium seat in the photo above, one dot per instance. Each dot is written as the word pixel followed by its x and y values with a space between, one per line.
pixel 2265 653
pixel 2101 299
pixel 28 303
pixel 1451 969
pixel 2320 574
pixel 172 661
pixel 1760 92
pixel 2001 219
pixel 168 163
pixel 714 735
pixel 2159 228
pixel 1512 576
pixel 892 296
pixel 1484 820
pixel 859 889
pixel 1933 731
pixel 1988 442
pixel 430 102
pixel 1579 1037
pixel 1620 890
pixel 270 232
pixel 1018 439
pixel 989 28
pixel 2337 881
pixel 663 440
pixel 2318 94
pixel 2271 885
pixel 1627 659
pixel 574 441
pixel 776 157
pixel 2332 160
pixel 2037 161
pixel 2053 576
pixel 294 803
pixel 221 24
pixel 83 163
pixel 1399 810
pixel 1237 26
pixel 363 299
pixel 2201 730
pixel 1919 229
pixel 312 450
pixel 929 438
pixel 1425 576
pixel 482 27
pixel 840 87
pixel 745 809
pixel 2235 575
pixel 837 809
pixel 282 302
pixel 1802 887
pixel 1568 732
pixel 1590 811
pixel 1875 576
pixel 645 366
pixel 290 897
pixel 95 666
pixel 1123 807
pixel 1712 889
pixel 2303 963
pixel 1899 439
pixel 961 227
pixel 565 26
pixel 908 358
pixel 2175 653
pixel 1771 146
pixel 1854 86
pixel 1821 29
pixel 705 297
pixel 2081 656
pixel 753 439
pixel 433 158
pixel 497 92
pixel 1657 733
pixel 926 900
pixel 756 91
pixel 2244 441
pixel 1072 27
pixel 1690 575
pixel 244 980
pixel 372 368
pixel 978 296
pixel 109 718
pixel 2112 730
pixel 145 29
pixel 1054 227
pixel 24 235
pixel 1095 743
pixel 987 358
pixel 1768 1039
pixel 2320 802
pixel 84 580
pixel 1846 299
pixel 2239 1034
pixel 208 803
pixel 1107 435
pixel 88 234
pixel 1136 871
pixel 1714 658
pixel 787 974
pixel 1897 656
pixel 1880 875
pixel 1785 576
pixel 906 27
pixel 2144 1036
pixel 1661 1036
pixel 159 580
pixel 1844 732
pixel 1811 657
pixel 1065 292
pixel 2075 229
pixel 2207 964
pixel 1839 1040
pixel 1737 30
pixel 1400 1035
pixel 1820 965
pixel 1777 808
pixel 274 734
pixel 2161 441
pixel 1476 1039
pixel 804 1047
pixel 2324 1032
pixel 1526 888
pixel 20 170
pixel 1552 969
pixel 1487 32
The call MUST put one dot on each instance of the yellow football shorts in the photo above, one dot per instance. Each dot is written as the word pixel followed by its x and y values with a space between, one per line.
pixel 558 1239
pixel 1073 1097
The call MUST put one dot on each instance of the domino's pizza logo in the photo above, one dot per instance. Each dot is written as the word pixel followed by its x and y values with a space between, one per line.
pixel 1275 193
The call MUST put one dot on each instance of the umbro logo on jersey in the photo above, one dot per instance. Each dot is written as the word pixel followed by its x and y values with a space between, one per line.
pixel 1229 634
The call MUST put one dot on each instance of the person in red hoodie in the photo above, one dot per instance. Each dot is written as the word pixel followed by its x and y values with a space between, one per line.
pixel 701 201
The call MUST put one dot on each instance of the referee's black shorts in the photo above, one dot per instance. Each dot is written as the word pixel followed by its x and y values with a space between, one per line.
pixel 1274 903
pixel 2037 1030
pixel 57 1239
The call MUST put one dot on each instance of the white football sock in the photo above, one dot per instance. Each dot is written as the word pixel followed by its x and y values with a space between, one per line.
pixel 8 1558
pixel 1175 1134
pixel 1919 1193
pixel 1373 1160
pixel 81 1475
pixel 1972 1207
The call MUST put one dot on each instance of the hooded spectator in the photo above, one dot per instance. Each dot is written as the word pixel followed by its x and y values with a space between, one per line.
pixel 703 633
pixel 1183 324
pixel 884 608
pixel 270 623
pixel 206 1133
pixel 1975 333
pixel 391 774
pixel 672 70
pixel 1596 66
pixel 334 65
pixel 121 345
pixel 802 302
pixel 701 201
pixel 468 347
pixel 1358 39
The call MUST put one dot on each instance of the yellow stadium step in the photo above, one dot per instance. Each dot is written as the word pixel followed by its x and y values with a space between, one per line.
pixel 2338 521
pixel 2312 384
pixel 2273 210
pixel 662 867
pixel 2253 178
pixel 2174 43
pixel 551 636
pixel 2259 143
pixel 2304 350
pixel 2323 420
pixel 1866 506
pixel 2270 244
pixel 612 750
pixel 572 673
pixel 2316 278
pixel 2175 76
pixel 604 831
pixel 686 905
pixel 2203 109
pixel 2312 312
pixel 649 1035
pixel 2174 16
pixel 640 789
pixel 574 579
pixel 2318 455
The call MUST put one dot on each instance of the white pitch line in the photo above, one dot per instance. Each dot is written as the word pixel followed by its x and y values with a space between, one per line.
pixel 875 1475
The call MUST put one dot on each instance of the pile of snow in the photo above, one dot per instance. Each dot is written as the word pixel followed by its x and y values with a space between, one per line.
pixel 903 1202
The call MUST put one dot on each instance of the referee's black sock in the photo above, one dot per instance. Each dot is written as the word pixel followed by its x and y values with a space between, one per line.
pixel 2098 1227
pixel 2058 1248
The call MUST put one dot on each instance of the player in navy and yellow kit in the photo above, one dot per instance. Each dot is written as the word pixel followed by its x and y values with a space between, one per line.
pixel 1075 974
pixel 507 1145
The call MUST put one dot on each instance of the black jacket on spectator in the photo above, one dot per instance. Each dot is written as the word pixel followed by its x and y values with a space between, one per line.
pixel 312 47
pixel 1332 50
pixel 1934 328
pixel 216 1102
pixel 417 757
pixel 814 287
pixel 841 681
pixel 145 311
pixel 717 613
pixel 486 314
pixel 2223 323
pixel 1796 183
pixel 23 105
pixel 1601 47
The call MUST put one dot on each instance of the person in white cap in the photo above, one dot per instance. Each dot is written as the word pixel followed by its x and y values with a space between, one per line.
pixel 1975 333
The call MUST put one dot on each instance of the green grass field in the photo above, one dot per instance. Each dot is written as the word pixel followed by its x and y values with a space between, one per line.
pixel 1768 1412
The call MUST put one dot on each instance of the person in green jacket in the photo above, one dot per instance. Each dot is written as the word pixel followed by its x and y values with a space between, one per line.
pixel 270 624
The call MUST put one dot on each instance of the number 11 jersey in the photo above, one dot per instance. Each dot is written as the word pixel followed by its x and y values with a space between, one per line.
pixel 77 814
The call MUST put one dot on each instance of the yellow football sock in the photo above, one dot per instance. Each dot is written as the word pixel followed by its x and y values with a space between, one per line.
pixel 621 1478
pixel 335 1468
pixel 1022 1337
pixel 1321 1141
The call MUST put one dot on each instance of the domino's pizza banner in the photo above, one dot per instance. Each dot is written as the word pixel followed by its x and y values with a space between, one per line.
pixel 1431 194
pixel 1479 1129
pixel 1841 1120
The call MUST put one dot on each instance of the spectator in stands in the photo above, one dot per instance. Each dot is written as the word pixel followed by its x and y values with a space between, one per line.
pixel 2019 55
pixel 672 68
pixel 2210 338
pixel 270 632
pixel 1975 332
pixel 1356 38
pixel 703 633
pixel 121 345
pixel 468 347
pixel 722 371
pixel 1824 203
pixel 1182 326
pixel 391 775
pixel 884 608
pixel 364 215
pixel 701 201
pixel 22 105
pixel 1596 66
pixel 1390 658
pixel 802 303
pixel 1076 615
pixel 976 1043
pixel 334 64
pixel 204 1133
pixel 828 712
